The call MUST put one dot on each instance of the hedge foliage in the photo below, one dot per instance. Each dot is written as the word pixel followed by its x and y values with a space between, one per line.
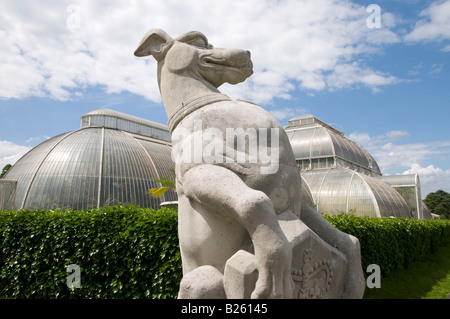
pixel 393 243
pixel 131 252
pixel 122 252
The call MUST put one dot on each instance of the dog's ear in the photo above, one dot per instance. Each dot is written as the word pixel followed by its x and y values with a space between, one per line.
pixel 156 42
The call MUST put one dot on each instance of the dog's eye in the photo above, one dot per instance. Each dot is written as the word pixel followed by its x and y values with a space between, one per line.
pixel 199 42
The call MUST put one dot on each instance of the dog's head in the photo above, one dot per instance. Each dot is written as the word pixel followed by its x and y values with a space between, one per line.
pixel 191 54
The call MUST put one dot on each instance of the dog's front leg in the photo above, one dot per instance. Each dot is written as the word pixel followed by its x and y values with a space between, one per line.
pixel 221 191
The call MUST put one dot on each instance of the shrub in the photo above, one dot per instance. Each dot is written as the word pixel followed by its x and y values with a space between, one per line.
pixel 122 252
pixel 131 252
pixel 393 243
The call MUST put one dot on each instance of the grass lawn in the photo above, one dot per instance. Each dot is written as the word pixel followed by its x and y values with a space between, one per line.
pixel 428 278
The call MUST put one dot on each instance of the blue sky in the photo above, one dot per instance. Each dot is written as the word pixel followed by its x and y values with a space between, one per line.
pixel 387 88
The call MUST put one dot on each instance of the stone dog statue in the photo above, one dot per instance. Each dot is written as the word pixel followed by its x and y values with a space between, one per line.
pixel 243 230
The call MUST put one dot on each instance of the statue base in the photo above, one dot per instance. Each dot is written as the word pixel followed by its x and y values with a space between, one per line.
pixel 318 269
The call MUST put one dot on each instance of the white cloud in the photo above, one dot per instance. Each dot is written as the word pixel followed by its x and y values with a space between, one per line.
pixel 394 156
pixel 287 113
pixel 10 152
pixel 392 135
pixel 58 49
pixel 430 170
pixel 347 75
pixel 434 24
pixel 436 68
pixel 431 178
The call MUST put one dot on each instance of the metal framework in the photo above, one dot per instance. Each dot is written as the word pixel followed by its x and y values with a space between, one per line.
pixel 115 158
pixel 318 145
pixel 343 177
pixel 95 165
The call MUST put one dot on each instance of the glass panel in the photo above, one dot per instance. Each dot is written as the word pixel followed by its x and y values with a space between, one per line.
pixel 129 169
pixel 388 199
pixel 57 183
pixel 110 121
pixel 360 198
pixel 125 122
pixel 321 143
pixel 333 192
pixel 301 143
pixel 84 122
pixel 349 151
pixel 24 169
pixel 157 133
pixel 7 194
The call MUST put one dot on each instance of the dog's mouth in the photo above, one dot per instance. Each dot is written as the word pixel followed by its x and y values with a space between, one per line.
pixel 228 59
pixel 218 66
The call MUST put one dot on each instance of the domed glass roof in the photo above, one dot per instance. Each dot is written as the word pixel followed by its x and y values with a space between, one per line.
pixel 319 145
pixel 337 190
pixel 94 166
pixel 115 158
pixel 121 121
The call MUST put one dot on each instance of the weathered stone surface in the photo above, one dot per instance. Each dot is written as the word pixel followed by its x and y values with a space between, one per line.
pixel 240 275
pixel 318 269
pixel 204 282
pixel 239 188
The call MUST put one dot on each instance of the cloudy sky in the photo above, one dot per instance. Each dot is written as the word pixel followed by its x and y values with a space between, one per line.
pixel 378 70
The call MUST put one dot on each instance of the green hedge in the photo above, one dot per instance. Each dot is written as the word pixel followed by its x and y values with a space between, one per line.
pixel 122 252
pixel 393 243
pixel 131 252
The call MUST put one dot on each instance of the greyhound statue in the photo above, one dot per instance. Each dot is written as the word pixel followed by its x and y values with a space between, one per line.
pixel 243 229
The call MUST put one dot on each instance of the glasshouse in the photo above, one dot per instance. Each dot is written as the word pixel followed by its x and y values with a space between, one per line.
pixel 338 175
pixel 113 158
pixel 116 158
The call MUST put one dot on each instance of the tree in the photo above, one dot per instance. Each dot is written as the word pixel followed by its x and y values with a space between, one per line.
pixel 439 203
pixel 442 210
pixel 5 170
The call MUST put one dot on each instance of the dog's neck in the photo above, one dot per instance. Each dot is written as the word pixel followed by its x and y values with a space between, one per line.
pixel 184 93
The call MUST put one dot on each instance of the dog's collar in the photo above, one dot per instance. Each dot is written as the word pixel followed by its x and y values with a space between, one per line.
pixel 194 104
